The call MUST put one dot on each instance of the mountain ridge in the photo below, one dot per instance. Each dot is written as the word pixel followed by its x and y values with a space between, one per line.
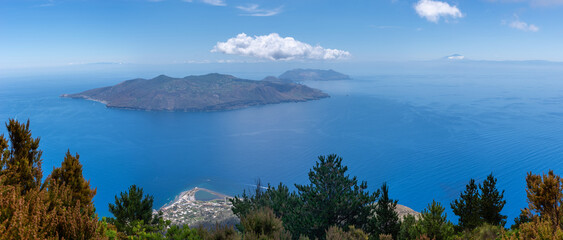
pixel 197 93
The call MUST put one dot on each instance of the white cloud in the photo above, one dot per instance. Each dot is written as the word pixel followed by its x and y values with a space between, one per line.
pixel 215 2
pixel 517 24
pixel 256 11
pixel 274 47
pixel 433 10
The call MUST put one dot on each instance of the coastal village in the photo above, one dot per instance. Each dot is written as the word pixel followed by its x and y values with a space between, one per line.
pixel 215 208
pixel 191 209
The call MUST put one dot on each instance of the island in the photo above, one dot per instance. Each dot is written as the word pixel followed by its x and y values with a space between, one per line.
pixel 300 75
pixel 211 92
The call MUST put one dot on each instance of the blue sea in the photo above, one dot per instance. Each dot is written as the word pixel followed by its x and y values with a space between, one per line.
pixel 425 135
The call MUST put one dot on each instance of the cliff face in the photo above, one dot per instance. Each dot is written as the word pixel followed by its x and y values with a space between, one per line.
pixel 211 92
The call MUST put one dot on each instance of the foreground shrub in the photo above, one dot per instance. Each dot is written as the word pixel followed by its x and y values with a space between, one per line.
pixel 336 233
pixel 32 210
pixel 483 232
pixel 182 233
pixel 263 224
pixel 409 228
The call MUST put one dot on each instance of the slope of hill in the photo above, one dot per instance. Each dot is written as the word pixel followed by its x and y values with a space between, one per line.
pixel 211 92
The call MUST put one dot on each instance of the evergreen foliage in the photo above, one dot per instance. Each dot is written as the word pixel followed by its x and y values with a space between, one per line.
pixel 132 207
pixel 70 175
pixel 30 211
pixel 279 199
pixel 492 202
pixel 386 219
pixel 434 223
pixel 467 207
pixel 21 161
pixel 524 217
pixel 332 199
pixel 545 196
pixel 409 228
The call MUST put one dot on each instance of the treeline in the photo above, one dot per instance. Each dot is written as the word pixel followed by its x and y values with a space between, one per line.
pixel 332 206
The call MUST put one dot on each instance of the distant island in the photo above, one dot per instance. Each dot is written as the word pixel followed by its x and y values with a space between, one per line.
pixel 211 92
pixel 300 75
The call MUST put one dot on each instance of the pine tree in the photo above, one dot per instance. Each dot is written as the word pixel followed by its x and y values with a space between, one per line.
pixel 433 222
pixel 545 197
pixel 30 211
pixel 332 199
pixel 21 162
pixel 70 175
pixel 492 202
pixel 467 207
pixel 130 208
pixel 386 220
pixel 279 199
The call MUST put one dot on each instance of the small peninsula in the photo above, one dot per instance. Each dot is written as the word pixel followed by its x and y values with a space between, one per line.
pixel 300 75
pixel 211 208
pixel 211 92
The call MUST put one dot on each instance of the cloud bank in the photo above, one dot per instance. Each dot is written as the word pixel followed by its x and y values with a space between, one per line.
pixel 434 10
pixel 274 47
pixel 517 24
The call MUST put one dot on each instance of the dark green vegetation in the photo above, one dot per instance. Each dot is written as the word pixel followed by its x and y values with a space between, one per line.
pixel 476 206
pixel 211 92
pixel 332 206
pixel 133 209
pixel 300 75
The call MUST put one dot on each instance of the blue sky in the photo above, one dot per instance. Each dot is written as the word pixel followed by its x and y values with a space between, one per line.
pixel 43 33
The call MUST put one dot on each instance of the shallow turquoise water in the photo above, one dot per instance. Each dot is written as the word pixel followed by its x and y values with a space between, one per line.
pixel 426 135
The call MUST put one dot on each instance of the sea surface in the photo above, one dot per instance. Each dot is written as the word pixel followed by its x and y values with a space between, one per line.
pixel 425 135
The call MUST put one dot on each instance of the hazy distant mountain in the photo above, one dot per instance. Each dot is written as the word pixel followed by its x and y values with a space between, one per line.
pixel 299 75
pixel 211 92
pixel 455 57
